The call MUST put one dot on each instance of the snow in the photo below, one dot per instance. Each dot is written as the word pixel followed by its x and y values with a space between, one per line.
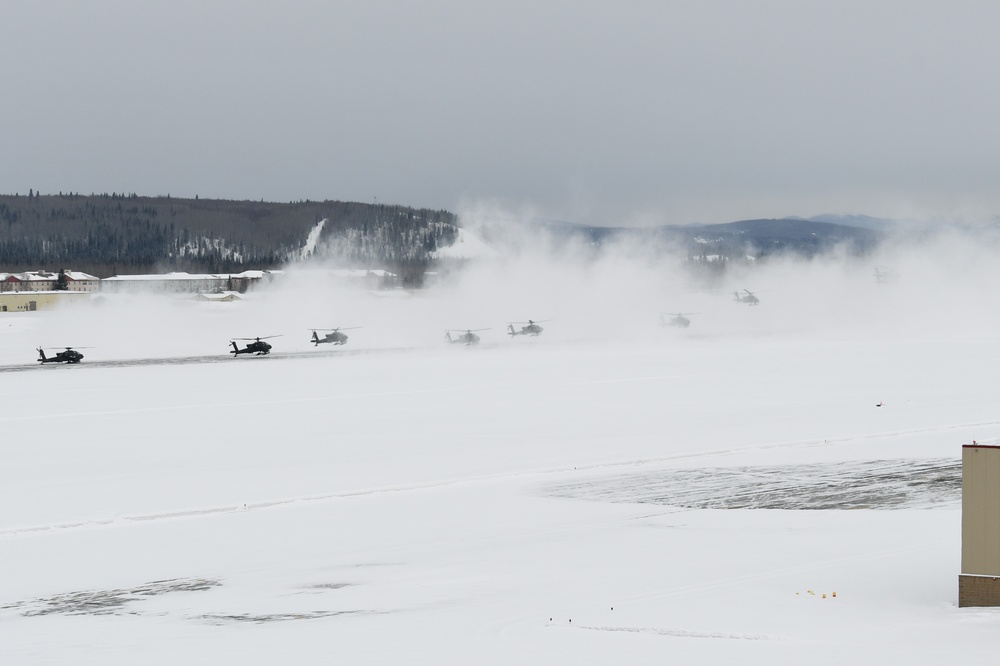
pixel 467 245
pixel 312 239
pixel 612 491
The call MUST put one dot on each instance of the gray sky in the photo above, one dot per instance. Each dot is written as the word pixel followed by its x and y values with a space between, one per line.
pixel 614 112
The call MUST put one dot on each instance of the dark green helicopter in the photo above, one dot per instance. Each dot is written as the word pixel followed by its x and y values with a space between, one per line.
pixel 69 356
pixel 257 346
pixel 333 337
pixel 678 319
pixel 532 328
pixel 467 338
pixel 749 299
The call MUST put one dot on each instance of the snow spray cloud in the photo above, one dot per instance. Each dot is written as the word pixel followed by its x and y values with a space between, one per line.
pixel 923 284
pixel 933 285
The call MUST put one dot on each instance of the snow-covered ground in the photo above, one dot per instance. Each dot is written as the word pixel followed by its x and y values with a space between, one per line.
pixel 613 491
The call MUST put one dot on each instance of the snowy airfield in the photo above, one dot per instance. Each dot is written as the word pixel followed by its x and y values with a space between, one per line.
pixel 614 491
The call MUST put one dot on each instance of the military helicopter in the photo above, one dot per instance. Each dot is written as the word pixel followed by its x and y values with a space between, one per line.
pixel 69 356
pixel 749 299
pixel 258 346
pixel 467 338
pixel 883 274
pixel 334 336
pixel 678 319
pixel 532 328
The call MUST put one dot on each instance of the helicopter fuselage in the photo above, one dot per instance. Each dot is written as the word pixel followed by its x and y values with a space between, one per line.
pixel 68 356
pixel 259 347
pixel 335 338
pixel 467 338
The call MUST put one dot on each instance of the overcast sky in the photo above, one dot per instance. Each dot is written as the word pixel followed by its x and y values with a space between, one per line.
pixel 612 112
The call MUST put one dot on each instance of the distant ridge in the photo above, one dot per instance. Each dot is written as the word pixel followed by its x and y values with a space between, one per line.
pixel 759 237
pixel 108 234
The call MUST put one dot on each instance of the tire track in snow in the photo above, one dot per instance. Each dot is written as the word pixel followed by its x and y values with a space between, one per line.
pixel 680 633
pixel 565 469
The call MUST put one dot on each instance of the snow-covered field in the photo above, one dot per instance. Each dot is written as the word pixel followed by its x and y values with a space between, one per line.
pixel 614 491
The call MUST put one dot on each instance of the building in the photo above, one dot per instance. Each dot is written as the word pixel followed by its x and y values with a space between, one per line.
pixel 979 581
pixel 29 301
pixel 47 281
pixel 221 297
pixel 184 283
pixel 368 278
pixel 77 281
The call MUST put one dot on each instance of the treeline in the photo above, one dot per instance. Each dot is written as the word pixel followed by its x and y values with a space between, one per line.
pixel 109 234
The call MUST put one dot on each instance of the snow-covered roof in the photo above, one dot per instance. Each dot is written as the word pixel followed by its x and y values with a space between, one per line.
pixel 78 275
pixel 39 276
pixel 181 275
pixel 45 276
pixel 221 297
pixel 359 272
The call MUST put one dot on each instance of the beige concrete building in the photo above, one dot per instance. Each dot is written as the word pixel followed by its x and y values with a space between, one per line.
pixel 979 582
pixel 79 281
pixel 29 301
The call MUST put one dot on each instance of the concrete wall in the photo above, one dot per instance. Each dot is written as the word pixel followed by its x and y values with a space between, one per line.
pixel 978 591
pixel 979 585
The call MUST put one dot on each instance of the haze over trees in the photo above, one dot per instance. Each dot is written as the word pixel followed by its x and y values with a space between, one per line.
pixel 117 234
pixel 108 234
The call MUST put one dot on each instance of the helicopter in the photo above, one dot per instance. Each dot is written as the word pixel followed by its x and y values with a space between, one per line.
pixel 69 356
pixel 258 346
pixel 679 319
pixel 749 299
pixel 468 338
pixel 883 274
pixel 532 328
pixel 334 336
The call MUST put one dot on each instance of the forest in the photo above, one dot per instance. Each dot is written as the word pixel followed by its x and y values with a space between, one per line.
pixel 118 233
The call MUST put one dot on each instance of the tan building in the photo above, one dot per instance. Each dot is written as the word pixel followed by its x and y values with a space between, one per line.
pixel 29 301
pixel 979 582
pixel 78 281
